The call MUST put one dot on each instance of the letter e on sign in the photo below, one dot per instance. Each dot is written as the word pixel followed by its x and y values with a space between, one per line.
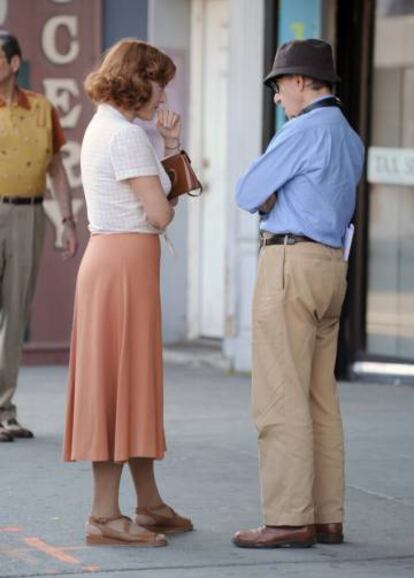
pixel 59 91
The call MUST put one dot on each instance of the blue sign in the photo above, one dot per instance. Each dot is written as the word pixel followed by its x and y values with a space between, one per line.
pixel 298 19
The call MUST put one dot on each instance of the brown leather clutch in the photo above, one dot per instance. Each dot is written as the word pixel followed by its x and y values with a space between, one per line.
pixel 182 176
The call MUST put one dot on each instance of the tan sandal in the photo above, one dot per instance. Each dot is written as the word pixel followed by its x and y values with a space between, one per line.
pixel 167 524
pixel 100 533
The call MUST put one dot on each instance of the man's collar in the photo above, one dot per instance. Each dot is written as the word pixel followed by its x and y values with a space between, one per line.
pixel 20 99
pixel 321 102
pixel 318 98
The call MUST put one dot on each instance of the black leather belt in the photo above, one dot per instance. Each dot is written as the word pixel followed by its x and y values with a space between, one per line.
pixel 21 200
pixel 285 239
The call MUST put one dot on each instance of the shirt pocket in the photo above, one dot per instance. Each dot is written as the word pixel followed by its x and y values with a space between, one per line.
pixel 41 116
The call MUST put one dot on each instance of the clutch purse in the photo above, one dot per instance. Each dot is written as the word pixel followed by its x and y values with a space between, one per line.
pixel 182 176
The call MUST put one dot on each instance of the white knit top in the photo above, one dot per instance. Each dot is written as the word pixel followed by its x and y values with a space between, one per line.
pixel 115 149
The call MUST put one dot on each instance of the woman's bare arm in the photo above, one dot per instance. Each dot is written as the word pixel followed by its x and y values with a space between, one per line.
pixel 157 208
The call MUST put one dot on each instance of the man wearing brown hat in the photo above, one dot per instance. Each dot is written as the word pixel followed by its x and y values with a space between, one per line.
pixel 304 188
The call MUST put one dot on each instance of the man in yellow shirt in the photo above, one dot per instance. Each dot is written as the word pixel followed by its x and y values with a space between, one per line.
pixel 30 140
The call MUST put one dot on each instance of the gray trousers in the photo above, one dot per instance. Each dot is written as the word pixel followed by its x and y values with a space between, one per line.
pixel 21 240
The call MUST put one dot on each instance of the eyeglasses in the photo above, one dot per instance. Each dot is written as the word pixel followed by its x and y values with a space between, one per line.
pixel 274 86
pixel 273 83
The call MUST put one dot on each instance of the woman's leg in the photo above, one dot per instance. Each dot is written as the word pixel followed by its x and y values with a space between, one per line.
pixel 106 525
pixel 152 513
pixel 142 472
pixel 107 478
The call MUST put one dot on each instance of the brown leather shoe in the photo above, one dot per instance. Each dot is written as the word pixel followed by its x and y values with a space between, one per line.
pixel 162 519
pixel 12 427
pixel 5 436
pixel 329 533
pixel 276 537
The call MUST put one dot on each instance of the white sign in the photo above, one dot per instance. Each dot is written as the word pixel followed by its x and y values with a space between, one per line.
pixel 3 11
pixel 391 166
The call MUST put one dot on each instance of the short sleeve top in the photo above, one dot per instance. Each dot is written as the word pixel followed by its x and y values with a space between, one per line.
pixel 115 149
pixel 30 134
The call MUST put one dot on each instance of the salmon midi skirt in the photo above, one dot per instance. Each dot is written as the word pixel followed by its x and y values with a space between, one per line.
pixel 115 391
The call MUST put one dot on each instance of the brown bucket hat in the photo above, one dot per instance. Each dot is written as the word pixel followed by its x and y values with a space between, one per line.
pixel 311 57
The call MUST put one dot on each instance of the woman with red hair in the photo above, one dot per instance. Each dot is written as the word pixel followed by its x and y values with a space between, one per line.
pixel 115 395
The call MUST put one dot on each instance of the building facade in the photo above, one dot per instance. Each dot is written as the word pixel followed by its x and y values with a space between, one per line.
pixel 222 49
pixel 375 59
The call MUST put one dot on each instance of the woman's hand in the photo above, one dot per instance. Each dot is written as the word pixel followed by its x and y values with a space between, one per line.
pixel 169 125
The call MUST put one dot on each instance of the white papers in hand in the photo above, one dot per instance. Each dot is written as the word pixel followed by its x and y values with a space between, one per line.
pixel 349 235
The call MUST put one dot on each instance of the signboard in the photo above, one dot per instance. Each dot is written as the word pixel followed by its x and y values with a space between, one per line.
pixel 298 19
pixel 392 166
pixel 61 42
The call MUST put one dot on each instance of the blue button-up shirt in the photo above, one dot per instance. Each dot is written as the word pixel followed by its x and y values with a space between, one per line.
pixel 313 163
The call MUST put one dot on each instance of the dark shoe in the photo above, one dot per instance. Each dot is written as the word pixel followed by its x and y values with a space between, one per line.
pixel 12 427
pixel 276 537
pixel 5 436
pixel 163 520
pixel 329 533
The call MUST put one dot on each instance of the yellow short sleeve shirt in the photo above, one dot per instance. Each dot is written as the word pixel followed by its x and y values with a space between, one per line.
pixel 30 133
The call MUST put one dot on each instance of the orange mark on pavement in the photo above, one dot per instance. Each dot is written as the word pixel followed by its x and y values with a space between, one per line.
pixel 51 551
pixel 11 529
pixel 17 554
pixel 91 568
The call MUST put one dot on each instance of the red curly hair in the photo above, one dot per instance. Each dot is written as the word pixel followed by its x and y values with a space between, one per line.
pixel 124 75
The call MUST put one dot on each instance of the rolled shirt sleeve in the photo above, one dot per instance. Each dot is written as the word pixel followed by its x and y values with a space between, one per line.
pixel 282 160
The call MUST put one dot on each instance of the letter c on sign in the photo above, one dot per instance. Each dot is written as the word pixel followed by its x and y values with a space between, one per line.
pixel 3 11
pixel 49 39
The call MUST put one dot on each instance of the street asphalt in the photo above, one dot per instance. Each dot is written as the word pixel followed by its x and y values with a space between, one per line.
pixel 210 474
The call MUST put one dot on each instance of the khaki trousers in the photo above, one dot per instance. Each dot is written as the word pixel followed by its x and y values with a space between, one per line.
pixel 21 240
pixel 297 303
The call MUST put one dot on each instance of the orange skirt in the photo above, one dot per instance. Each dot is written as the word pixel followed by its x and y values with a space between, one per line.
pixel 115 391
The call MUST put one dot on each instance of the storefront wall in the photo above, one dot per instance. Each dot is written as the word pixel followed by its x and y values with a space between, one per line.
pixel 208 284
pixel 378 320
pixel 390 296
pixel 169 29
pixel 374 50
pixel 59 47
pixel 122 18
pixel 62 44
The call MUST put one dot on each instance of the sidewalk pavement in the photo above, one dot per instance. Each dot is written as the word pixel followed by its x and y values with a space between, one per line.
pixel 210 474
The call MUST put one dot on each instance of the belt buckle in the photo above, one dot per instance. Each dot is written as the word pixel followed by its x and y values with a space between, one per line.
pixel 265 237
pixel 262 241
pixel 289 239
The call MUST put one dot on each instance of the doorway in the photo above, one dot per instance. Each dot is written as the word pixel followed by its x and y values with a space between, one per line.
pixel 209 97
